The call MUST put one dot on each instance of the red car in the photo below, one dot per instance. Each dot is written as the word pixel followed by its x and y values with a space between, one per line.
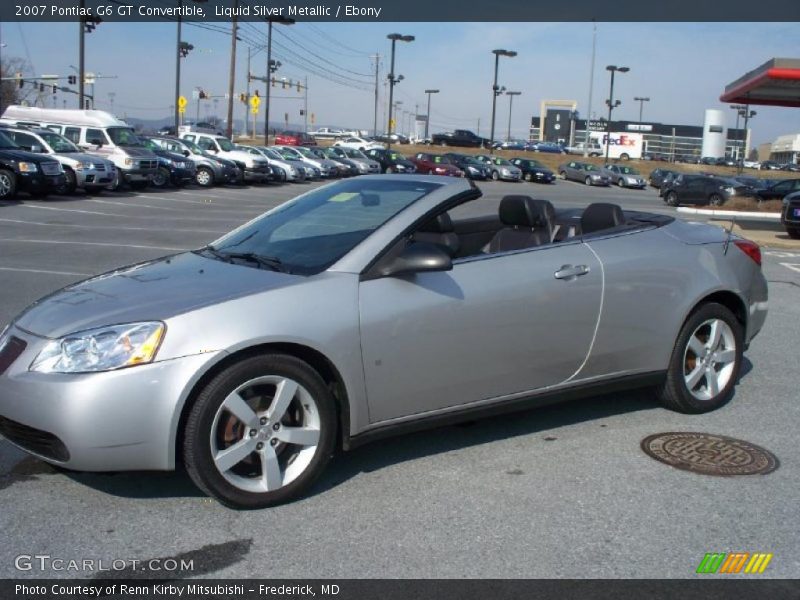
pixel 294 138
pixel 435 164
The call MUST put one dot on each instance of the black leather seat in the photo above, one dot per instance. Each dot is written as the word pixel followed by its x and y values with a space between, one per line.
pixel 439 231
pixel 599 216
pixel 528 223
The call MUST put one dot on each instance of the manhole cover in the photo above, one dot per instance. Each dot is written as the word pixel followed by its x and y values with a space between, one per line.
pixel 709 454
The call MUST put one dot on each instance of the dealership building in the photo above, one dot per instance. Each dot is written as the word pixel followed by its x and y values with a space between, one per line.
pixel 658 139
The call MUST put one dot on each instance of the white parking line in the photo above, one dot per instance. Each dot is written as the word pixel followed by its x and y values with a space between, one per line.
pixel 46 272
pixel 73 210
pixel 236 219
pixel 201 203
pixel 791 266
pixel 130 205
pixel 121 228
pixel 109 244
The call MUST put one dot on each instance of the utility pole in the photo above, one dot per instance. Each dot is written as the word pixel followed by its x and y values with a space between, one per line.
pixel 232 73
pixel 612 104
pixel 271 68
pixel 641 102
pixel 510 106
pixel 305 104
pixel 591 88
pixel 496 91
pixel 375 118
pixel 392 80
pixel 247 97
pixel 428 114
pixel 81 56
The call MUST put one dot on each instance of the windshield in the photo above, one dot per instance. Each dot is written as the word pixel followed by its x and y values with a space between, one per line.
pixel 441 160
pixel 353 153
pixel 150 144
pixel 5 141
pixel 305 152
pixel 310 233
pixel 225 144
pixel 588 167
pixel 628 171
pixel 288 154
pixel 123 136
pixel 193 148
pixel 58 143
pixel 329 153
pixel 396 156
pixel 500 161
pixel 270 153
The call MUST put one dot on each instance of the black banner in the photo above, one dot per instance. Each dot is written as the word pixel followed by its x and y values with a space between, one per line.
pixel 398 589
pixel 407 10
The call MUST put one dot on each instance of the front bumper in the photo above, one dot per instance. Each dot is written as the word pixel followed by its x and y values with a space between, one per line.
pixel 539 177
pixel 790 215
pixel 182 175
pixel 38 182
pixel 113 421
pixel 257 173
pixel 94 177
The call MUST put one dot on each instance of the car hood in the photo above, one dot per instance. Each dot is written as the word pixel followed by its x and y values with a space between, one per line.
pixel 138 152
pixel 151 291
pixel 80 157
pixel 22 155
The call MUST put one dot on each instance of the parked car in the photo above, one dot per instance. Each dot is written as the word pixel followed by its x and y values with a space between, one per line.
pixel 704 189
pixel 460 137
pixel 753 182
pixel 252 168
pixel 312 172
pixel 286 170
pixel 776 190
pixel 294 138
pixel 86 171
pixel 533 170
pixel 549 147
pixel 657 176
pixel 358 307
pixel 790 215
pixel 209 170
pixel 500 168
pixel 365 165
pixel 751 164
pixel 435 164
pixel 584 172
pixel 594 149
pixel 175 169
pixel 357 143
pixel 23 171
pixel 770 165
pixel 327 133
pixel 348 168
pixel 624 176
pixel 391 161
pixel 516 145
pixel 794 167
pixel 327 168
pixel 472 167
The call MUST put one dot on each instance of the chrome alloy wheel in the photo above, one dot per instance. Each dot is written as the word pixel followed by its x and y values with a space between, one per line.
pixel 709 359
pixel 265 434
pixel 5 185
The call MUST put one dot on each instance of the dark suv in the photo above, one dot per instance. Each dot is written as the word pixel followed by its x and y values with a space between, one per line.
pixel 26 171
pixel 391 161
pixel 790 215
pixel 704 189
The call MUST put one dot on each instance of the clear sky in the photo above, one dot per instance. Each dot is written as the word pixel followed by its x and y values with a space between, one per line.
pixel 682 67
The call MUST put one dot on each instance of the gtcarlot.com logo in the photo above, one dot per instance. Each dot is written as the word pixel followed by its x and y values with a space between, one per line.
pixel 734 562
pixel 46 562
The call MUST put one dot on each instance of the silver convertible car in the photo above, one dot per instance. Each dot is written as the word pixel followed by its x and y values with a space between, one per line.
pixel 365 308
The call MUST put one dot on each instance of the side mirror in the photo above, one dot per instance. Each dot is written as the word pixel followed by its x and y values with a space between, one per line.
pixel 418 257
pixel 96 142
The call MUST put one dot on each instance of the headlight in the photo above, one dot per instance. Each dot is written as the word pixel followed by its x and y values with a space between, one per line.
pixel 505 172
pixel 128 161
pixel 84 165
pixel 400 167
pixel 26 167
pixel 101 349
pixel 729 190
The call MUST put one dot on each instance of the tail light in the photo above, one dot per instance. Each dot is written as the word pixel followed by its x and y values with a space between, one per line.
pixel 751 249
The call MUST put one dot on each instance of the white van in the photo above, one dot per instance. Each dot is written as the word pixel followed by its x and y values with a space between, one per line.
pixel 254 168
pixel 96 132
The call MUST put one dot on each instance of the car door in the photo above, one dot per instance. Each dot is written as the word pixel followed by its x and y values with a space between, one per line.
pixel 493 326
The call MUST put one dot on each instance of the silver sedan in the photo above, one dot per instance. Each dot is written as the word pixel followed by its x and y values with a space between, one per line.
pixel 583 172
pixel 363 309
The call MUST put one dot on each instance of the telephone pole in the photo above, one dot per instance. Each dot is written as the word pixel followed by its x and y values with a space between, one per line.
pixel 232 72
pixel 375 118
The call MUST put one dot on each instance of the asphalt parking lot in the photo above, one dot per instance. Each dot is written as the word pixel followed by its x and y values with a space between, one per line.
pixel 563 491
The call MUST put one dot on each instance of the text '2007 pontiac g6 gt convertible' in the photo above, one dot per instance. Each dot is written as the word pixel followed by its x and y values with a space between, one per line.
pixel 361 309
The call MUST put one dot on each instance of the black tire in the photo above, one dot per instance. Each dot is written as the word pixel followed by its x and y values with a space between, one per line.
pixel 197 432
pixel 588 181
pixel 674 393
pixel 624 156
pixel 117 182
pixel 563 175
pixel 162 178
pixel 70 182
pixel 8 184
pixel 389 170
pixel 528 177
pixel 793 232
pixel 716 200
pixel 495 176
pixel 204 177
pixel 671 198
pixel 621 182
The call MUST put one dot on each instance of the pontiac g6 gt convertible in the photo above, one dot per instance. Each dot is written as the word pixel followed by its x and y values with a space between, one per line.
pixel 364 308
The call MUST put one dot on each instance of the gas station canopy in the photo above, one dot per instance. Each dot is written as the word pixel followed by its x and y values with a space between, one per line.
pixel 775 83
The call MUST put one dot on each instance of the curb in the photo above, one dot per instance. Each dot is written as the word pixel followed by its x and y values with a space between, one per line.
pixel 739 215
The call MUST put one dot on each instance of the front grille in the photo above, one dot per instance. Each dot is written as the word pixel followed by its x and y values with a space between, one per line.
pixel 10 352
pixel 99 167
pixel 790 208
pixel 148 164
pixel 51 168
pixel 34 440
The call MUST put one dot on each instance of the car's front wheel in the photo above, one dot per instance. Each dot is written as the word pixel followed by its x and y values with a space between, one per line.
pixel 161 178
pixel 716 200
pixel 588 181
pixel 8 184
pixel 260 432
pixel 794 232
pixel 204 177
pixel 671 198
pixel 621 182
pixel 705 361
pixel 495 176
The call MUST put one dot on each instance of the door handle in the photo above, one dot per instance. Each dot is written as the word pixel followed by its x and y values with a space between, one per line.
pixel 570 272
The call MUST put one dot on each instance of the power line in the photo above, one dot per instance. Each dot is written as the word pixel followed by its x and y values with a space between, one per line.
pixel 331 39
pixel 323 59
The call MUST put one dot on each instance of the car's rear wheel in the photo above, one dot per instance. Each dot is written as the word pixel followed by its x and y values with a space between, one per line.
pixel 8 184
pixel 624 156
pixel 204 177
pixel 716 200
pixel 705 361
pixel 260 432
pixel 671 198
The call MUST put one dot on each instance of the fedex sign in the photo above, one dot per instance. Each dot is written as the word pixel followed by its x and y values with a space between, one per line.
pixel 620 145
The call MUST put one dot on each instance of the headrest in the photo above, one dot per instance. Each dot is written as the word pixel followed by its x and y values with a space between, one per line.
pixel 524 211
pixel 439 224
pixel 599 216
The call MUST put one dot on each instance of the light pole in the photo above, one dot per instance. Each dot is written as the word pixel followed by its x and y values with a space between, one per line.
pixel 747 114
pixel 232 69
pixel 395 37
pixel 510 106
pixel 612 104
pixel 181 51
pixel 641 102
pixel 428 114
pixel 496 91
pixel 272 66
pixel 739 108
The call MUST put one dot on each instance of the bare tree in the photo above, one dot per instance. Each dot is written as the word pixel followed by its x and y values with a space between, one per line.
pixel 10 92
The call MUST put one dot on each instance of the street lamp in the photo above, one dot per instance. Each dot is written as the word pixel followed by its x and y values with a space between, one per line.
pixel 641 102
pixel 272 66
pixel 747 114
pixel 395 37
pixel 739 108
pixel 428 117
pixel 510 105
pixel 496 91
pixel 181 51
pixel 612 104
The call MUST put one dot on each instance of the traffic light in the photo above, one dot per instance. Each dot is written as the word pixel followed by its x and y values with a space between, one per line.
pixel 185 48
pixel 302 112
pixel 298 87
pixel 72 79
pixel 202 95
pixel 256 94
pixel 273 82
pixel 283 84
pixel 243 98
pixel 21 83
pixel 90 22
pixel 41 87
